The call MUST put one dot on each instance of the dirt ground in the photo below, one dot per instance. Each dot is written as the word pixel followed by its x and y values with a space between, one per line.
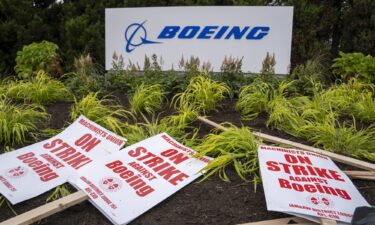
pixel 209 202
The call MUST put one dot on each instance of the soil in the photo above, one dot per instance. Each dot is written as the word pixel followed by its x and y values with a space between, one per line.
pixel 212 201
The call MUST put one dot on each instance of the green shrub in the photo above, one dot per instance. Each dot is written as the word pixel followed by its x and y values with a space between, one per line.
pixel 40 89
pixel 231 74
pixel 18 121
pixel 357 65
pixel 103 111
pixel 234 147
pixel 35 57
pixel 86 78
pixel 202 93
pixel 147 98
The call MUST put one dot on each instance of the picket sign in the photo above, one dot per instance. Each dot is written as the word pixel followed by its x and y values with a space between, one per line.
pixel 140 176
pixel 277 140
pixel 50 163
pixel 78 197
pixel 334 156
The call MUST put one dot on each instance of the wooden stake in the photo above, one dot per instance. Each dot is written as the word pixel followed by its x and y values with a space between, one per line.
pixel 46 210
pixel 283 221
pixel 325 221
pixel 277 140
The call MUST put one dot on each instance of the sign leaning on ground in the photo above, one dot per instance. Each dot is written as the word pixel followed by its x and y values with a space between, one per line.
pixel 30 171
pixel 130 182
pixel 210 33
pixel 307 184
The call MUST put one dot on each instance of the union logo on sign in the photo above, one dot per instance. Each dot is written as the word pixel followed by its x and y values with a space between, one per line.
pixel 16 172
pixel 320 201
pixel 110 184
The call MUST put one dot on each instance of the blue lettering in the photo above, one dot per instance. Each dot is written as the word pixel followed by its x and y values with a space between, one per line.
pixel 206 32
pixel 257 33
pixel 221 32
pixel 189 32
pixel 237 32
pixel 169 32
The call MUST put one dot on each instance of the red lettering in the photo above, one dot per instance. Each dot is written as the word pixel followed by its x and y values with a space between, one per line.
pixel 114 164
pixel 53 143
pixel 137 152
pixel 272 166
pixel 178 178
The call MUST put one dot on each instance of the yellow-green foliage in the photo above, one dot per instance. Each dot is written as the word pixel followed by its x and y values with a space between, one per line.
pixel 283 114
pixel 140 131
pixel 147 98
pixel 342 97
pixel 234 147
pixel 41 89
pixel 103 111
pixel 17 121
pixel 364 108
pixel 342 138
pixel 202 93
pixel 253 99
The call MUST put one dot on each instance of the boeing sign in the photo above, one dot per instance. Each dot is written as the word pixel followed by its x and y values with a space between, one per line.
pixel 210 33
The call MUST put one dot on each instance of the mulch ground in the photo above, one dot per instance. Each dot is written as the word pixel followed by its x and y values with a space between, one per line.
pixel 209 202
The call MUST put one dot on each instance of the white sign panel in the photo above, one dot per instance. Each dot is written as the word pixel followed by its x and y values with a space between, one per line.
pixel 210 33
pixel 305 183
pixel 130 182
pixel 35 169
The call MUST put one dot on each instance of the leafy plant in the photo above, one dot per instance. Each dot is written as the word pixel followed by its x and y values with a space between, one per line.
pixel 147 98
pixel 121 78
pixel 357 65
pixel 233 147
pixel 35 57
pixel 307 75
pixel 40 89
pixel 17 121
pixel 202 93
pixel 86 78
pixel 103 111
pixel 231 74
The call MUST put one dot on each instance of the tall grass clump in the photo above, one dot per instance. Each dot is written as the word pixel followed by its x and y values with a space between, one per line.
pixel 147 98
pixel 342 138
pixel 41 89
pixel 253 99
pixel 235 147
pixel 176 127
pixel 18 121
pixel 104 111
pixel 364 108
pixel 202 93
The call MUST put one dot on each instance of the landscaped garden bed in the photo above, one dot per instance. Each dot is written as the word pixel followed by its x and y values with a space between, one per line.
pixel 336 117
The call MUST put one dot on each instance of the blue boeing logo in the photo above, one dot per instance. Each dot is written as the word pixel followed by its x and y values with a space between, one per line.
pixel 136 34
